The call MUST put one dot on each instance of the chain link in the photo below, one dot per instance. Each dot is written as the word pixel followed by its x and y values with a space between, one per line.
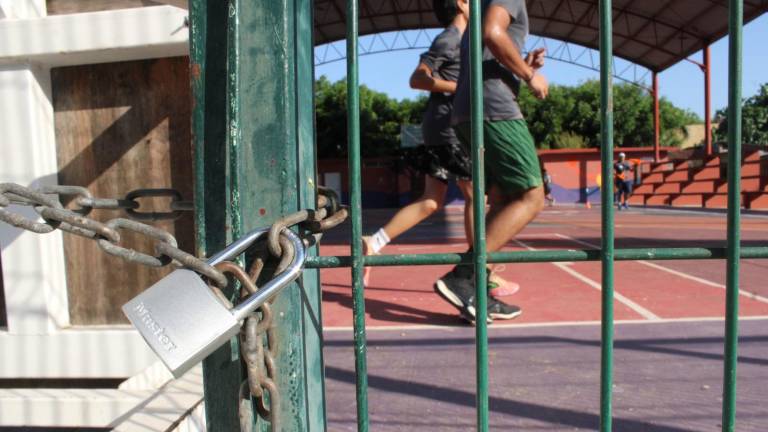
pixel 258 342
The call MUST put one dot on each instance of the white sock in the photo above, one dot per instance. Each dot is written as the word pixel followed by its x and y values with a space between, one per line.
pixel 379 240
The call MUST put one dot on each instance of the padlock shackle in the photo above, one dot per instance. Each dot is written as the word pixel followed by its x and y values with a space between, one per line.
pixel 252 302
pixel 238 247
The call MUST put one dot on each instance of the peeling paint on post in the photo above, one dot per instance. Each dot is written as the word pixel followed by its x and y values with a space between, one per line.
pixel 260 175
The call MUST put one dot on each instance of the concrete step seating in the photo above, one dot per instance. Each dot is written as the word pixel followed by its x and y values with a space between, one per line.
pixel 703 183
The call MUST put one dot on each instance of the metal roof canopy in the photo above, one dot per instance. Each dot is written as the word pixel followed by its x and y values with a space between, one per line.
pixel 655 34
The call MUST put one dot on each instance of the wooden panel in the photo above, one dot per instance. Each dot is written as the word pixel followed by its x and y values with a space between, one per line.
pixel 120 127
pixel 60 7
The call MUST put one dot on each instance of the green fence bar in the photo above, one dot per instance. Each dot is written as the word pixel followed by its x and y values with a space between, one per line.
pixel 606 199
pixel 353 140
pixel 637 254
pixel 256 166
pixel 208 76
pixel 478 210
pixel 735 32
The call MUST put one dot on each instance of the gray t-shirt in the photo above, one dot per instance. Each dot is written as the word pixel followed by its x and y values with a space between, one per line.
pixel 500 85
pixel 443 59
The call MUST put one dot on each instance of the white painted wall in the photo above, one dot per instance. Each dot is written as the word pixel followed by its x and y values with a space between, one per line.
pixel 20 9
pixel 39 341
pixel 33 265
pixel 39 333
pixel 95 37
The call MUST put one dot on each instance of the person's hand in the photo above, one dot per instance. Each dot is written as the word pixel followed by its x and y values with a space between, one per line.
pixel 538 85
pixel 535 58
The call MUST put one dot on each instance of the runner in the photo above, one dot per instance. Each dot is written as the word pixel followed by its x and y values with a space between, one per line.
pixel 442 158
pixel 516 193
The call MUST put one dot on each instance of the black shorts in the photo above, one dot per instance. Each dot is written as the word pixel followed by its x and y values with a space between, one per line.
pixel 445 162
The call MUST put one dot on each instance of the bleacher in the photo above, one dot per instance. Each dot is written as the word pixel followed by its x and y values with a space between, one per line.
pixel 701 181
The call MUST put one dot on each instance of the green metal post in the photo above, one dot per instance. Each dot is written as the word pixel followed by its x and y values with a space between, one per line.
pixel 266 170
pixel 353 141
pixel 208 70
pixel 478 209
pixel 735 31
pixel 606 199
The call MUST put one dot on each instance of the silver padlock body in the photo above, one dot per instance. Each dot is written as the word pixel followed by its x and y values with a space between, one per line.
pixel 181 320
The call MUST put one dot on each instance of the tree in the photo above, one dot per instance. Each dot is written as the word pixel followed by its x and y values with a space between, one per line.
pixel 568 118
pixel 754 119
pixel 380 119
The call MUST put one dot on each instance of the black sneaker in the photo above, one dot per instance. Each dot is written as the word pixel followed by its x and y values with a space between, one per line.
pixel 456 287
pixel 496 310
pixel 465 314
pixel 502 311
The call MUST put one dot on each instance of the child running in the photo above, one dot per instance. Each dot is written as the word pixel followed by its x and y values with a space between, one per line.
pixel 444 158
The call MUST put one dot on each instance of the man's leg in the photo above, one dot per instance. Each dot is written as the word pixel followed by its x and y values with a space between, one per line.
pixel 406 218
pixel 510 214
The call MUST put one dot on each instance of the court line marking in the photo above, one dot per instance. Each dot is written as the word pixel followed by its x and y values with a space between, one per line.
pixel 374 328
pixel 643 312
pixel 678 273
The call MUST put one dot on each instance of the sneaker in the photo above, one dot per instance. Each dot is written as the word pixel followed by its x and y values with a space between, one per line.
pixel 496 310
pixel 626 206
pixel 498 286
pixel 457 287
pixel 502 311
pixel 465 314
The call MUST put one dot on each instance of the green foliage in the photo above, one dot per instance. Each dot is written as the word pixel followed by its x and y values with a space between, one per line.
pixel 380 119
pixel 754 119
pixel 568 118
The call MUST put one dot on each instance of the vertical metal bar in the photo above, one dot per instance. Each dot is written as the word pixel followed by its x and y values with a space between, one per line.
pixel 271 163
pixel 312 322
pixel 656 120
pixel 478 209
pixel 234 134
pixel 735 32
pixel 707 100
pixel 353 139
pixel 606 198
pixel 222 373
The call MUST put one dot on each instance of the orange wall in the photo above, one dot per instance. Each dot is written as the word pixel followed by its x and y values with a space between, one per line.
pixel 574 176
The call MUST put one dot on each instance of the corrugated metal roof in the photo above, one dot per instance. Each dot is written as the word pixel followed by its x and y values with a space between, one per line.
pixel 652 33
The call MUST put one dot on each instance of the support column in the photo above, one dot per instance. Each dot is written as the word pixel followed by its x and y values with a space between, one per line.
pixel 265 170
pixel 707 101
pixel 656 120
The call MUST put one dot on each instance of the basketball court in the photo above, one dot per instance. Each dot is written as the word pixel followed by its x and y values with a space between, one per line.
pixel 545 365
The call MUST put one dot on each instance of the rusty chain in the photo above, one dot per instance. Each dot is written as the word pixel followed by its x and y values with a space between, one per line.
pixel 258 343
pixel 45 203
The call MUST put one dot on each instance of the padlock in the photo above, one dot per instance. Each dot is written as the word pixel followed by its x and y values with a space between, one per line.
pixel 183 321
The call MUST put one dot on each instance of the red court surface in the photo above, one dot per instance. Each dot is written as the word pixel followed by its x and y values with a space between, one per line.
pixel 545 365
pixel 559 292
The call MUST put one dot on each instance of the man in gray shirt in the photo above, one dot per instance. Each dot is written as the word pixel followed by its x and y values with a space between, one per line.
pixel 513 175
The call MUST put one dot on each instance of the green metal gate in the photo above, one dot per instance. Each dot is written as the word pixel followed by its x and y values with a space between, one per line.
pixel 242 102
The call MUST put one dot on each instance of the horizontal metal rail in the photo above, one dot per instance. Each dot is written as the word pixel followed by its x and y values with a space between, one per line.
pixel 634 254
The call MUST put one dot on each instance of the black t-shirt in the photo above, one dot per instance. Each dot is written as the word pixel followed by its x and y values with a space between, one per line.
pixel 443 59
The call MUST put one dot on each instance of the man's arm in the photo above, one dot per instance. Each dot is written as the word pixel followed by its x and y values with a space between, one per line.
pixel 495 37
pixel 422 79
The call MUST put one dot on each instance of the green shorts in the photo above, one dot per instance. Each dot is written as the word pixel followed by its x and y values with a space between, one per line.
pixel 511 161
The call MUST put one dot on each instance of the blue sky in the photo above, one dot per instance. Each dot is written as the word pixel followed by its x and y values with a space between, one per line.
pixel 683 84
